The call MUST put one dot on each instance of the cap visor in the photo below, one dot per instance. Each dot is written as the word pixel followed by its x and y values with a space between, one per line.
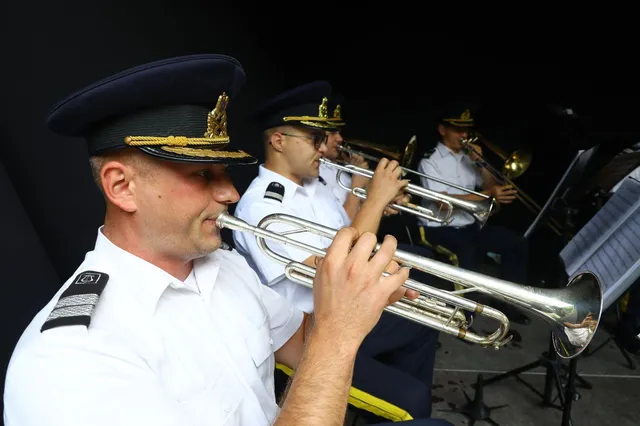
pixel 199 155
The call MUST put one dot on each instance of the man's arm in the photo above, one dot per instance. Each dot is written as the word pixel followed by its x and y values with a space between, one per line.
pixel 345 279
pixel 504 194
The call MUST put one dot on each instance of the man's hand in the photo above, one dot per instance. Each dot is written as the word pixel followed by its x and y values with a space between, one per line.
pixel 401 198
pixel 475 152
pixel 349 289
pixel 504 194
pixel 386 185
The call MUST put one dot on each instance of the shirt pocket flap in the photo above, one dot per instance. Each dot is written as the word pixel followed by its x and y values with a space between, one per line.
pixel 260 344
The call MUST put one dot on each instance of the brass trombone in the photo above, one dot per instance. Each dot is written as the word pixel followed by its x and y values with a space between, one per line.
pixel 577 306
pixel 514 166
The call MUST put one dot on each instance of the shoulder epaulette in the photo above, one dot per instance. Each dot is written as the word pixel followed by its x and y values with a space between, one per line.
pixel 322 181
pixel 275 191
pixel 77 302
pixel 428 153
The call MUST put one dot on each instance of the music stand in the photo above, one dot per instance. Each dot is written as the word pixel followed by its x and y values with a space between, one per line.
pixel 606 247
pixel 571 177
pixel 549 359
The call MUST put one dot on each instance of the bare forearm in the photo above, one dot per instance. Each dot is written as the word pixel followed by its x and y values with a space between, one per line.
pixel 471 197
pixel 488 179
pixel 352 206
pixel 369 216
pixel 319 391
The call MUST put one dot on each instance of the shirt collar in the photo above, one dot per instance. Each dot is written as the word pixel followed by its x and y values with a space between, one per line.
pixel 444 150
pixel 148 282
pixel 308 188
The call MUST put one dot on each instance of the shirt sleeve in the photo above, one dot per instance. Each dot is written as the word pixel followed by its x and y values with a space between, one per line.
pixel 284 318
pixel 62 385
pixel 247 245
pixel 428 167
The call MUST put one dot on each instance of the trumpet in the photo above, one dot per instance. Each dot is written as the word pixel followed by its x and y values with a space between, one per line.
pixel 564 310
pixel 480 210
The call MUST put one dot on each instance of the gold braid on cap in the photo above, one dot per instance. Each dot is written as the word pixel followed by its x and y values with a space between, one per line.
pixel 215 136
pixel 464 118
pixel 321 121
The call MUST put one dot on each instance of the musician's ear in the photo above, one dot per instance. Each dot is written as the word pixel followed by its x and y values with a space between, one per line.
pixel 276 141
pixel 441 129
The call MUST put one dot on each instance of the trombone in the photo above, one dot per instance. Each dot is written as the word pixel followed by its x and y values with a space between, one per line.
pixel 480 210
pixel 514 166
pixel 578 305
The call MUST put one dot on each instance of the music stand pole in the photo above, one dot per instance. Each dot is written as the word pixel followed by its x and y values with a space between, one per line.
pixel 476 408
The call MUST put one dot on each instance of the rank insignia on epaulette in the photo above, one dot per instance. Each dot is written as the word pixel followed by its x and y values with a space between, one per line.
pixel 429 152
pixel 225 246
pixel 275 191
pixel 77 302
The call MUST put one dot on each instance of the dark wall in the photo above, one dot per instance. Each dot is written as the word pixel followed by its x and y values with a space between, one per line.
pixel 394 71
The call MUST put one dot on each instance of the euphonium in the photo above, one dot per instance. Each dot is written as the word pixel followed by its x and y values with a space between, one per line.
pixel 575 307
pixel 480 210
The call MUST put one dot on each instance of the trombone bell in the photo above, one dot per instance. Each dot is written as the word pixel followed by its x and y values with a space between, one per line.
pixel 517 163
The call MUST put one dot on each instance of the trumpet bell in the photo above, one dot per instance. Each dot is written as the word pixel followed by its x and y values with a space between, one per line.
pixel 574 331
pixel 517 163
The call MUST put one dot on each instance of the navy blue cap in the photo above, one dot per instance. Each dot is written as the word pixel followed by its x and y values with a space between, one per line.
pixel 175 109
pixel 305 105
pixel 457 114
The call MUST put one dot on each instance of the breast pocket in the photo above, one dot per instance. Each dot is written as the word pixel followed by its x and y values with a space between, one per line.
pixel 260 346
pixel 218 404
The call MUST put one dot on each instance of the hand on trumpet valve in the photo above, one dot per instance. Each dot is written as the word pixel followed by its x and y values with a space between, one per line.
pixel 358 161
pixel 401 198
pixel 386 185
pixel 350 291
pixel 504 194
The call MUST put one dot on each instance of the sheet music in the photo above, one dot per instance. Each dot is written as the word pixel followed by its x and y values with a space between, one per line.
pixel 609 245
pixel 578 163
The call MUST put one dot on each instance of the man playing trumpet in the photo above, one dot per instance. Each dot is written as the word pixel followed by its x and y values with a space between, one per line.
pixel 396 360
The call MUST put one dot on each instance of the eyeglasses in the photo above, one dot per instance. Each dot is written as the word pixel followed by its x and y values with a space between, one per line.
pixel 317 138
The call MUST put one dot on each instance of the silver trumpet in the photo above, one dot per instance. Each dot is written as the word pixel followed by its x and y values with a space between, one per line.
pixel 480 210
pixel 573 313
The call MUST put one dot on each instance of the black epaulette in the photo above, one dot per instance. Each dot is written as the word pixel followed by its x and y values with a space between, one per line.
pixel 428 153
pixel 322 181
pixel 275 191
pixel 77 302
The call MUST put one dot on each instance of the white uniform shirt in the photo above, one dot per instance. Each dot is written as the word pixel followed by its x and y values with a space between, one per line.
pixel 157 352
pixel 451 167
pixel 635 174
pixel 329 175
pixel 313 201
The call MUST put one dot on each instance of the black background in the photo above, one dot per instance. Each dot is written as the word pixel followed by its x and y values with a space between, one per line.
pixel 394 64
